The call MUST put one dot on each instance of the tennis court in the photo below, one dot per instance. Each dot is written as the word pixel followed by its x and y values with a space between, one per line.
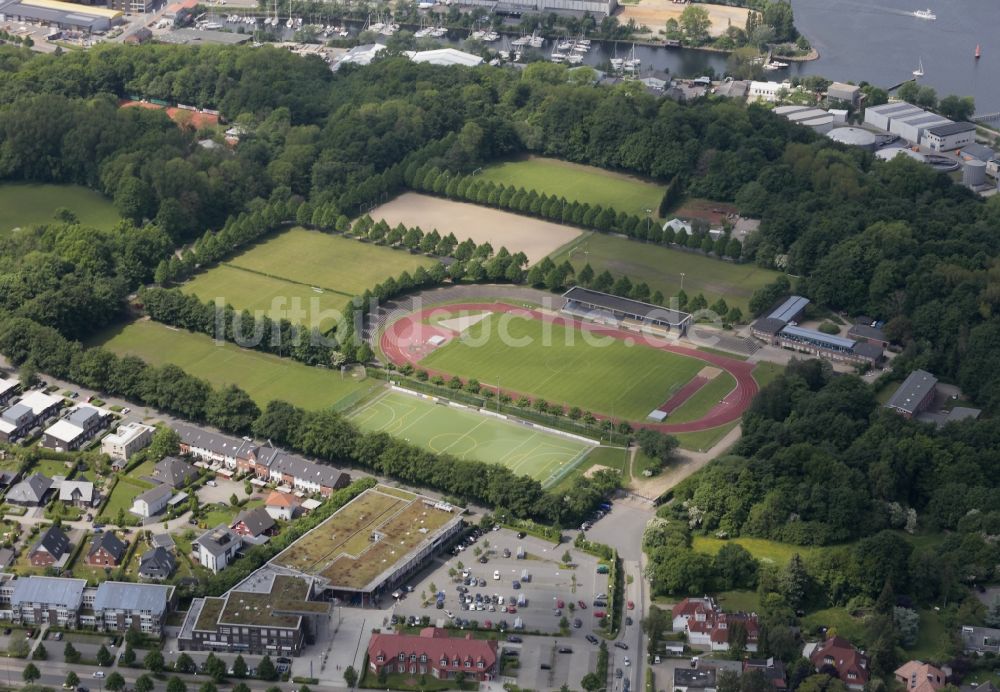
pixel 467 434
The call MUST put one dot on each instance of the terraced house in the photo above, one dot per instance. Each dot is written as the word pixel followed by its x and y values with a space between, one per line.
pixel 433 652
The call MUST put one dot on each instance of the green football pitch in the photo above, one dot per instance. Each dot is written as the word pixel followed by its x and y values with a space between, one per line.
pixel 329 262
pixel 263 376
pixel 22 204
pixel 664 269
pixel 466 434
pixel 579 183
pixel 557 364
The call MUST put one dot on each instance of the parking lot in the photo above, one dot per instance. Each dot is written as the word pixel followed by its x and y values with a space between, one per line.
pixel 549 584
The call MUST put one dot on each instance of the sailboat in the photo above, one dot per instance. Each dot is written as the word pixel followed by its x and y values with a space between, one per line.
pixel 919 72
pixel 979 52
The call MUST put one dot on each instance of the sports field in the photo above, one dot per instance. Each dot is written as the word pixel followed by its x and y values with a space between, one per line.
pixel 661 267
pixel 23 204
pixel 556 363
pixel 264 377
pixel 466 434
pixel 332 263
pixel 280 299
pixel 579 183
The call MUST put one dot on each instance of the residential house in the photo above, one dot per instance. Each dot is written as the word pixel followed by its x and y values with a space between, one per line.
pixel 980 640
pixel 127 440
pixel 77 493
pixel 157 564
pixel 75 430
pixel 163 540
pixel 8 390
pixel 772 669
pixel 253 523
pixel 707 625
pixel 281 506
pixel 218 547
pixel 704 677
pixel 106 550
pixel 265 613
pixel 31 491
pixel 52 549
pixel 433 652
pixel 121 606
pixel 209 446
pixel 42 600
pixel 152 502
pixel 174 472
pixel 917 676
pixel 34 408
pixel 850 663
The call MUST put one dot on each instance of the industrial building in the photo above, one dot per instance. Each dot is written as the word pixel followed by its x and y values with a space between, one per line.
pixel 65 15
pixel 848 93
pixel 949 136
pixel 914 395
pixel 880 116
pixel 819 120
pixel 445 57
pixel 912 127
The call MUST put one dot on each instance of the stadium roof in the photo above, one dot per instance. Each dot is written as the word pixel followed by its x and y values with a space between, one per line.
pixel 792 306
pixel 801 332
pixel 67 593
pixel 632 308
pixel 913 391
pixel 950 128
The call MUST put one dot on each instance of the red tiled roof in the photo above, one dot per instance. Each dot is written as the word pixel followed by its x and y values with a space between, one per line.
pixel 435 644
pixel 844 657
pixel 276 499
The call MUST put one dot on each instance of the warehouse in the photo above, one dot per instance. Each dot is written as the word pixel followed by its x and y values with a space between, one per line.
pixel 881 116
pixel 819 120
pixel 912 127
pixel 914 395
pixel 64 15
pixel 949 136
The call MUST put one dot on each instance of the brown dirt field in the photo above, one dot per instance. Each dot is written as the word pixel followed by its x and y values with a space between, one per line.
pixel 594 469
pixel 709 372
pixel 655 13
pixel 181 116
pixel 534 237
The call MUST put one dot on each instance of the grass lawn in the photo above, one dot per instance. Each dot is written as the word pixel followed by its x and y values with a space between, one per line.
pixel 557 364
pixel 736 601
pixel 661 268
pixel 847 626
pixel 761 548
pixel 766 373
pixel 934 640
pixel 218 515
pixel 611 457
pixel 469 435
pixel 704 439
pixel 22 204
pixel 144 469
pixel 51 467
pixel 330 262
pixel 702 401
pixel 580 183
pixel 883 395
pixel 125 491
pixel 278 298
pixel 263 376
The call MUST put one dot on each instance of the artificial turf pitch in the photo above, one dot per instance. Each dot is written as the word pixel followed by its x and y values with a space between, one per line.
pixel 466 434
pixel 579 183
pixel 554 362
pixel 264 377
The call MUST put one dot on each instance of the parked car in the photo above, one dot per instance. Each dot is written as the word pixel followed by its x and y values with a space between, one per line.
pixel 98 673
pixel 577 623
pixel 628 620
pixel 627 662
pixel 514 639
pixel 496 574
pixel 621 645
pixel 565 650
pixel 516 584
pixel 592 639
pixel 506 552
pixel 583 606
pixel 599 614
pixel 560 603
pixel 521 534
pixel 630 605
pixel 618 673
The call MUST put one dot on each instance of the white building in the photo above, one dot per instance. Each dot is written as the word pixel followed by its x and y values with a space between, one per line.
pixel 445 57
pixel 218 547
pixel 766 91
pixel 912 127
pixel 949 136
pixel 127 440
pixel 152 502
pixel 676 225
pixel 881 116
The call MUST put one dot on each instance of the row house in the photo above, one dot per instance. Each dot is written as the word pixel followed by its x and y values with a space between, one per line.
pixel 433 652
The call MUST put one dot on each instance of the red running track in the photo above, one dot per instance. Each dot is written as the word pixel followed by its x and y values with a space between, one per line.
pixel 683 394
pixel 405 341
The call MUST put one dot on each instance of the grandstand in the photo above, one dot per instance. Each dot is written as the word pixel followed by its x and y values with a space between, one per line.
pixel 624 312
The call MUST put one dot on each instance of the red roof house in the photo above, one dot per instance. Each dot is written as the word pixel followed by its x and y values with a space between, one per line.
pixel 851 664
pixel 433 652
pixel 917 676
pixel 707 625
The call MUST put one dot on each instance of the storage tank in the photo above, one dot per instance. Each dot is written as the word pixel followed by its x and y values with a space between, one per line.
pixel 974 173
pixel 854 136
